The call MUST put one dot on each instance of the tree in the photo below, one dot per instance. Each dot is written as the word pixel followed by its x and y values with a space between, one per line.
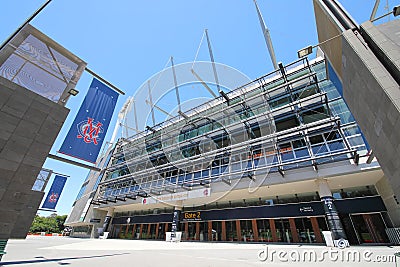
pixel 52 224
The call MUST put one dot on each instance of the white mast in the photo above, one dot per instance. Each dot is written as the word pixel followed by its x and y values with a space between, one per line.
pixel 267 37
pixel 121 116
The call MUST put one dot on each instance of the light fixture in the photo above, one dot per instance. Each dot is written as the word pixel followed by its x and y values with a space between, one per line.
pixel 309 49
pixel 370 156
pixel 121 198
pixel 281 171
pixel 156 192
pixel 305 51
pixel 251 176
pixel 356 158
pixel 73 92
pixel 315 165
pixel 227 181
pixel 205 184
pixel 396 11
pixel 142 194
pixel 170 190
pixel 222 93
pixel 111 199
pixel 151 129
pixel 187 187
pixel 183 114
pixel 133 197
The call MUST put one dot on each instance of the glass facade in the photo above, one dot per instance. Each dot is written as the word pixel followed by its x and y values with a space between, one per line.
pixel 285 120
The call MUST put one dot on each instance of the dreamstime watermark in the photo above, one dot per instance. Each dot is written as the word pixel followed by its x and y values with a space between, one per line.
pixel 347 255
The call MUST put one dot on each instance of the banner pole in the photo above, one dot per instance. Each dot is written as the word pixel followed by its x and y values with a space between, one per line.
pixel 24 24
pixel 82 165
pixel 60 174
pixel 104 81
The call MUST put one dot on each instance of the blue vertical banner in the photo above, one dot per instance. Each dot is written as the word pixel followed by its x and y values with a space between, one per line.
pixel 334 78
pixel 89 128
pixel 54 193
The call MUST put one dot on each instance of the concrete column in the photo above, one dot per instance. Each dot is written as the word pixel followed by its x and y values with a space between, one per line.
pixel 140 231
pixel 334 223
pixel 293 229
pixel 273 230
pixel 238 231
pixel 186 235
pixel 197 230
pixel 126 230
pixel 317 232
pixel 134 231
pixel 223 229
pixel 107 219
pixel 175 221
pixel 148 231
pixel 392 202
pixel 156 236
pixel 255 229
pixel 210 237
pixel 120 231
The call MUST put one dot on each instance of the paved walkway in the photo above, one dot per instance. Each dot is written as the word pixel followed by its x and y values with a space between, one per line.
pixel 56 251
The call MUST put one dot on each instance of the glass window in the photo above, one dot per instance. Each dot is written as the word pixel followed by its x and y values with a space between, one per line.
pixel 351 130
pixel 336 146
pixel 215 171
pixel 305 92
pixel 188 177
pixel 316 139
pixel 299 143
pixel 205 173
pixel 339 108
pixel 231 234
pixel 330 90
pixel 264 231
pixel 287 155
pixel 246 230
pixel 216 231
pixel 319 149
pixel 333 135
pixel 302 153
pixel 197 175
pixel 355 141
pixel 283 231
pixel 305 230
pixel 275 103
pixel 315 114
pixel 286 123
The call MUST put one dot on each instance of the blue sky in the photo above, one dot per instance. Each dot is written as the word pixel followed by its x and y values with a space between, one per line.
pixel 127 41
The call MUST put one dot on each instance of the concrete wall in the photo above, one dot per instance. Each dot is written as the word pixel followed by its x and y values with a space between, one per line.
pixel 30 124
pixel 25 218
pixel 386 192
pixel 373 95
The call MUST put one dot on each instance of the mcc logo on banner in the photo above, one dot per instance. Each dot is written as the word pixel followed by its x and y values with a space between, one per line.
pixel 89 128
pixel 54 193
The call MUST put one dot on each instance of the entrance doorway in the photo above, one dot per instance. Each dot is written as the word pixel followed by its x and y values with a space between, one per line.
pixel 364 228
pixel 283 232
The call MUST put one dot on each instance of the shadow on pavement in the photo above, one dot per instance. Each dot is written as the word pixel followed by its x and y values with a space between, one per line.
pixel 58 259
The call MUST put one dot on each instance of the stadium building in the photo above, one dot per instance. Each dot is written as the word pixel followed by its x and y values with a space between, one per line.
pixel 279 159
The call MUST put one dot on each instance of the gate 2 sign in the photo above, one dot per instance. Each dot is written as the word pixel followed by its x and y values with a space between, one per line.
pixel 191 216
